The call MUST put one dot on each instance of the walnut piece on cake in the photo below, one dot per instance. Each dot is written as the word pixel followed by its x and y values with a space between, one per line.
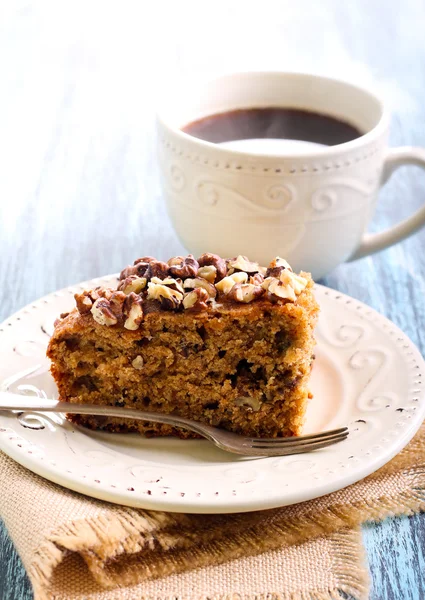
pixel 224 341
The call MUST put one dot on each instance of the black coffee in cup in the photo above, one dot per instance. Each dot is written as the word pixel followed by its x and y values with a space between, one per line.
pixel 274 123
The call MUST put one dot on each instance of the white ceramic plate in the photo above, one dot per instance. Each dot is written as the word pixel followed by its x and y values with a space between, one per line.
pixel 368 375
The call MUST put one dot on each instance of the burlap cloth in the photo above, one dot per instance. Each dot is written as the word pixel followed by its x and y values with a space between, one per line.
pixel 77 548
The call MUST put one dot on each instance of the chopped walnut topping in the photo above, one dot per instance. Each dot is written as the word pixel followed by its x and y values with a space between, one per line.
pixel 175 260
pixel 297 282
pixel 99 292
pixel 282 283
pixel 225 285
pixel 209 272
pixel 171 303
pixel 275 271
pixel 170 298
pixel 87 298
pixel 277 289
pixel 196 300
pixel 198 282
pixel 137 363
pixel 174 284
pixel 241 263
pixel 216 261
pixel 139 269
pixel 185 267
pixel 280 262
pixel 116 301
pixel 135 317
pixel 190 284
pixel 102 313
pixel 144 259
pixel 267 282
pixel 132 284
pixel 157 268
pixel 245 292
pixel 84 301
pixel 256 279
pixel 60 319
pixel 133 311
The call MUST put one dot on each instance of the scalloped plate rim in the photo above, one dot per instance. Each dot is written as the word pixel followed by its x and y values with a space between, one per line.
pixel 221 505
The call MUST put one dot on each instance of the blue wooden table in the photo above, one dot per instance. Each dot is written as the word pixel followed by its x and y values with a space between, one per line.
pixel 79 193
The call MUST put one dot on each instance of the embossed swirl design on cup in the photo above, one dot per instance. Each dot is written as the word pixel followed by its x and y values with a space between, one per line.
pixel 323 200
pixel 177 178
pixel 221 197
pixel 217 196
pixel 279 196
pixel 343 197
pixel 208 193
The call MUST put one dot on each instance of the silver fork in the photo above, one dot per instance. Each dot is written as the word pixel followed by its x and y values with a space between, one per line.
pixel 231 442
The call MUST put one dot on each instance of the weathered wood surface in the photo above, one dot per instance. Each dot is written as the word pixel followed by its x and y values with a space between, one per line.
pixel 79 193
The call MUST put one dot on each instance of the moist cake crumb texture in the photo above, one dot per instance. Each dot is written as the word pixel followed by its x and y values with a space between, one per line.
pixel 223 341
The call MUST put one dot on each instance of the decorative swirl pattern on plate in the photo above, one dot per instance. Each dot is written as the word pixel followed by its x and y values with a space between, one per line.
pixel 379 402
pixel 30 348
pixel 375 361
pixel 362 426
pixel 38 421
pixel 102 458
pixel 299 465
pixel 147 474
pixel 48 327
pixel 11 384
pixel 371 357
pixel 345 336
pixel 27 419
pixel 242 475
pixel 28 389
pixel 349 335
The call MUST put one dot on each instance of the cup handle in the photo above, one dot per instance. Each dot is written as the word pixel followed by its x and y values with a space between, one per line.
pixel 375 242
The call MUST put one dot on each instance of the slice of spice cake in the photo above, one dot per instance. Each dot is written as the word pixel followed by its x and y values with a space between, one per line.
pixel 225 342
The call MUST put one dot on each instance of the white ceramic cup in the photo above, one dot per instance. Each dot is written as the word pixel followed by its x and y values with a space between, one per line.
pixel 312 208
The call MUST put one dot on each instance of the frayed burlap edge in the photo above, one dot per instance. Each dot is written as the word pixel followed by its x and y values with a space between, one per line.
pixel 347 569
pixel 349 566
pixel 122 536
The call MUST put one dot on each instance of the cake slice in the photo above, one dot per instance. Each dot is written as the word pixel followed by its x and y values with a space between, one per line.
pixel 225 342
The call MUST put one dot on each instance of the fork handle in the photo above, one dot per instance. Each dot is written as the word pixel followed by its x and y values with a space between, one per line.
pixel 10 401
